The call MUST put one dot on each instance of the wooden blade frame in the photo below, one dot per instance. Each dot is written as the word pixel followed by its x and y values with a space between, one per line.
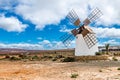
pixel 74 32
pixel 73 17
pixel 90 40
pixel 66 39
pixel 95 14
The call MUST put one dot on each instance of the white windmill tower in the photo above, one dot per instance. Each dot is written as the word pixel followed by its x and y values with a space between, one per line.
pixel 86 41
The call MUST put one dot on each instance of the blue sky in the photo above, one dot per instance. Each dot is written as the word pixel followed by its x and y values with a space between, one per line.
pixel 38 24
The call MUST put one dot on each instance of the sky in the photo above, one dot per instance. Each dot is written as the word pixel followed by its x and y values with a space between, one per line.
pixel 38 24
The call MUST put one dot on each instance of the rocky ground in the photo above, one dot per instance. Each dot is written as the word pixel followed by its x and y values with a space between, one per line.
pixel 48 70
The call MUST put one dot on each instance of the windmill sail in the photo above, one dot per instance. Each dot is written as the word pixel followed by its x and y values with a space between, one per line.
pixel 90 40
pixel 73 17
pixel 66 39
pixel 95 14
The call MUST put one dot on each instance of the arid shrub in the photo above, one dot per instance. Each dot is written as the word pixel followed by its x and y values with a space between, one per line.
pixel 23 56
pixel 74 75
pixel 35 57
pixel 100 70
pixel 47 57
pixel 59 56
pixel 115 59
pixel 14 58
pixel 68 59
pixel 54 59
pixel 116 54
pixel 98 53
pixel 118 68
pixel 7 56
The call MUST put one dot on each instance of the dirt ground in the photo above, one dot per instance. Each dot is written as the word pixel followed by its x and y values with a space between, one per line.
pixel 48 70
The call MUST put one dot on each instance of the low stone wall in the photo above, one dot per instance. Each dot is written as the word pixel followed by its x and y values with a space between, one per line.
pixel 84 58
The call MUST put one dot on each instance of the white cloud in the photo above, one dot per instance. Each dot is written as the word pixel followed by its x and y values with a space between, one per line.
pixel 52 44
pixel 58 45
pixel 41 12
pixel 45 42
pixel 107 32
pixel 43 45
pixel 64 29
pixel 46 12
pixel 112 42
pixel 11 24
pixel 110 11
pixel 22 46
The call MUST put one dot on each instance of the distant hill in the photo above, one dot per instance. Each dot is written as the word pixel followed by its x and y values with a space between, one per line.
pixel 19 51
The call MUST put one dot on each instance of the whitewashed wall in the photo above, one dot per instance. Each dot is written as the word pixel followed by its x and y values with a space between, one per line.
pixel 82 48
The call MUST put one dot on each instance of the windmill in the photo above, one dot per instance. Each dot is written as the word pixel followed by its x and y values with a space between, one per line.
pixel 86 41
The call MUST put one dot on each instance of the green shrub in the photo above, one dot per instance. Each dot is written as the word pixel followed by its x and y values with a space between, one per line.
pixel 115 59
pixel 118 68
pixel 44 56
pixel 74 75
pixel 59 56
pixel 100 70
pixel 98 53
pixel 68 59
pixel 14 58
pixel 35 57
pixel 47 57
pixel 7 56
pixel 54 59
pixel 23 56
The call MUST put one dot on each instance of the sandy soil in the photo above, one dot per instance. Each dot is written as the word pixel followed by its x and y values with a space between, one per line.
pixel 47 70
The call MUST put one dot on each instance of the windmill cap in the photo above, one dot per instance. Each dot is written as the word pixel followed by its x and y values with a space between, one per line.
pixel 89 29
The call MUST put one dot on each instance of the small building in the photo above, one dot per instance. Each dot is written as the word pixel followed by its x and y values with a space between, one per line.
pixel 113 49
